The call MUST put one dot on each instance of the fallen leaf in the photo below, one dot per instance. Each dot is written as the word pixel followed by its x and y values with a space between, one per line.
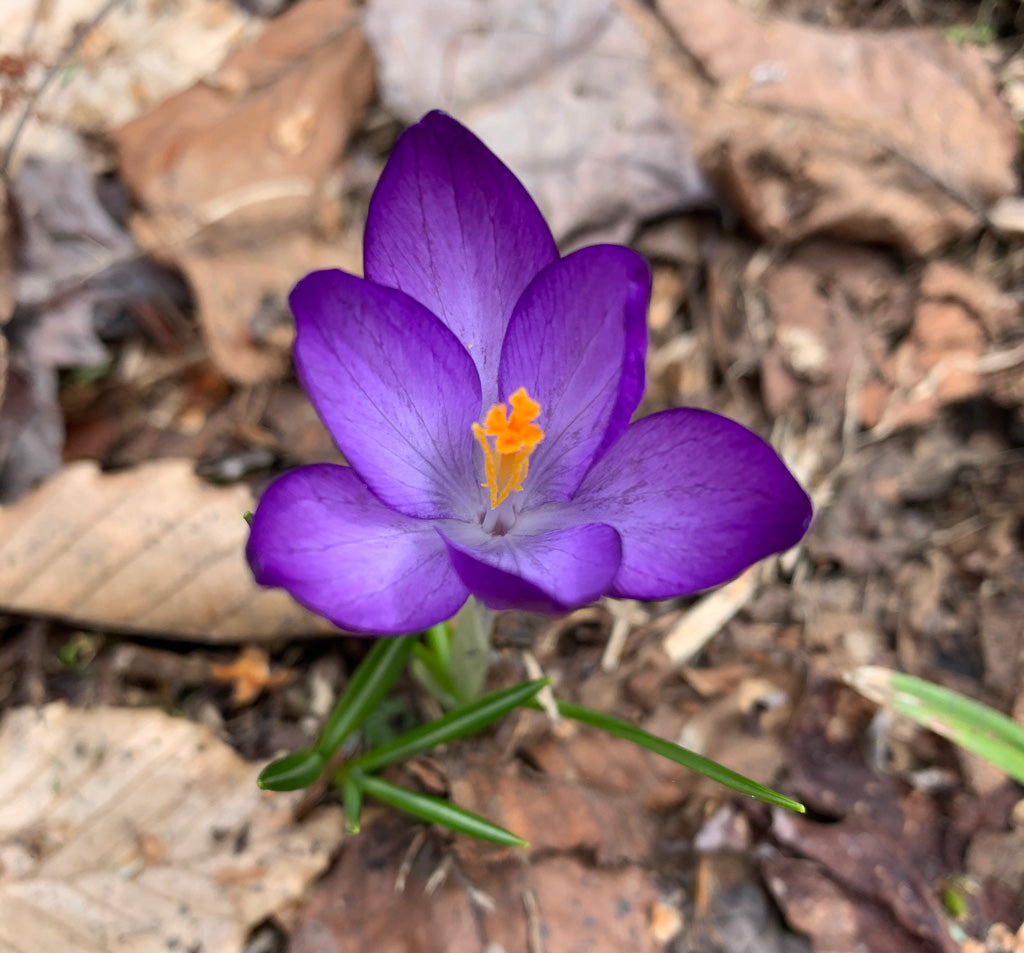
pixel 809 130
pixel 31 428
pixel 129 831
pixel 214 154
pixel 554 813
pixel 559 901
pixel 862 857
pixel 233 172
pixel 133 56
pixel 79 281
pixel 559 90
pixel 827 759
pixel 834 920
pixel 239 288
pixel 153 549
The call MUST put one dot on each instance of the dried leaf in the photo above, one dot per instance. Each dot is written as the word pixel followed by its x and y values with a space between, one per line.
pixel 233 171
pixel 863 857
pixel 237 290
pixel 31 429
pixel 554 813
pixel 558 901
pixel 559 90
pixel 811 130
pixel 152 549
pixel 136 55
pixel 250 146
pixel 129 831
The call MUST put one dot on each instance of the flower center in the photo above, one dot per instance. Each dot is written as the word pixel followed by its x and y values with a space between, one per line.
pixel 515 437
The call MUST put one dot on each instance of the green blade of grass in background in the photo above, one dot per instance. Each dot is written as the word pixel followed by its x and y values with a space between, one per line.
pixel 678 754
pixel 962 720
pixel 352 801
pixel 436 810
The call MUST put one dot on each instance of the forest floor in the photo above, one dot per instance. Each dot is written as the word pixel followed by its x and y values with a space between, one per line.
pixel 829 194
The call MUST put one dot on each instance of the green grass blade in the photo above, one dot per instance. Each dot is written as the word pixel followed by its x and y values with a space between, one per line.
pixel 667 749
pixel 458 723
pixel 436 810
pixel 370 683
pixel 297 770
pixel 962 720
pixel 352 801
pixel 439 638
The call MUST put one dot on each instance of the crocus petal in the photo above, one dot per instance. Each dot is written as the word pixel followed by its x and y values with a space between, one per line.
pixel 396 389
pixel 552 571
pixel 319 533
pixel 576 342
pixel 696 499
pixel 451 226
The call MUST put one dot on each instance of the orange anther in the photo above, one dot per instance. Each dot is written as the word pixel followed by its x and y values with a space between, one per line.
pixel 515 437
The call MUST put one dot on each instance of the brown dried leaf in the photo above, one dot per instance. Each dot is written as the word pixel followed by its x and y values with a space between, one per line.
pixel 813 130
pixel 236 288
pixel 553 813
pixel 134 56
pixel 250 146
pixel 832 918
pixel 862 857
pixel 233 172
pixel 129 831
pixel 555 903
pixel 153 549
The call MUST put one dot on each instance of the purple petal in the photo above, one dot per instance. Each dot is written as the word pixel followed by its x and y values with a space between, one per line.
pixel 451 226
pixel 551 571
pixel 576 342
pixel 696 499
pixel 319 533
pixel 395 388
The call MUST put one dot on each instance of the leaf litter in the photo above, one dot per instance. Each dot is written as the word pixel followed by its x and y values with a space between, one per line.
pixel 129 831
pixel 851 289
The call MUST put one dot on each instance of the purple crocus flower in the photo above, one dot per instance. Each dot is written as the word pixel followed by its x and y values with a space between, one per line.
pixel 481 388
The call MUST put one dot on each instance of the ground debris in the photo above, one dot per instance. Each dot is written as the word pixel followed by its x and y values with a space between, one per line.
pixel 811 130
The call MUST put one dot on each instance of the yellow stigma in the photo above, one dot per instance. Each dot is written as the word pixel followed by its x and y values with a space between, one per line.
pixel 516 436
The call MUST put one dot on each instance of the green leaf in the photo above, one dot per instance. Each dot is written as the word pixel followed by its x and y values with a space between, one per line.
pixel 352 800
pixel 962 720
pixel 439 638
pixel 369 684
pixel 432 674
pixel 436 810
pixel 458 723
pixel 667 749
pixel 292 772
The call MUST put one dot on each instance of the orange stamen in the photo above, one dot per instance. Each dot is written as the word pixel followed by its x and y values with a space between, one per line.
pixel 515 437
